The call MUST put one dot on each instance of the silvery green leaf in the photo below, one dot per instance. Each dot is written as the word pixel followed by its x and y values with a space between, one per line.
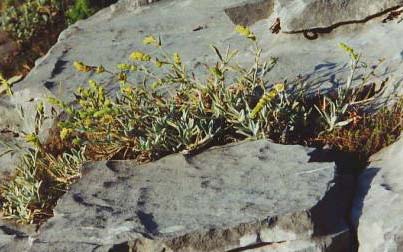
pixel 344 123
pixel 14 79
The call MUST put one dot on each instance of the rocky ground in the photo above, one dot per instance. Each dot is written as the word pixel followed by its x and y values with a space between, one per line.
pixel 251 196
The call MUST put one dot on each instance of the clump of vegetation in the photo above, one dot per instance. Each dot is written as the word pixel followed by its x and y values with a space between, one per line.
pixel 23 21
pixel 35 25
pixel 172 111
pixel 80 10
pixel 368 132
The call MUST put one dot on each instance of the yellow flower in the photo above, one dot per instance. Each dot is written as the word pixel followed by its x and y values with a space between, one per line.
pixel 353 55
pixel 81 67
pixel 266 98
pixel 139 56
pixel 65 132
pixel 107 119
pixel 122 77
pixel 87 122
pixel 150 40
pixel 99 69
pixel 33 139
pixel 177 59
pixel 123 67
pixel 245 31
pixel 159 63
pixel 127 90
pixel 279 87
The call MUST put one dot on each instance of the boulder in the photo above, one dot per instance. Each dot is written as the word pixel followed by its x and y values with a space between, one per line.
pixel 378 205
pixel 313 14
pixel 249 195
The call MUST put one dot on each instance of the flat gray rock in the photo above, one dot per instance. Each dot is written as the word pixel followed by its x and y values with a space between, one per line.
pixel 230 197
pixel 378 206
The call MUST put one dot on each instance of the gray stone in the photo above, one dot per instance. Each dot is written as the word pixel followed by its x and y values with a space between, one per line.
pixel 378 206
pixel 14 238
pixel 18 115
pixel 312 14
pixel 250 194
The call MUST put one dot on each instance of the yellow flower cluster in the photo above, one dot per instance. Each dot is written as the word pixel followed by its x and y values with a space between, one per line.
pixel 127 67
pixel 266 98
pixel 65 133
pixel 246 32
pixel 107 119
pixel 150 40
pixel 177 59
pixel 32 139
pixel 99 69
pixel 159 63
pixel 81 67
pixel 353 55
pixel 139 56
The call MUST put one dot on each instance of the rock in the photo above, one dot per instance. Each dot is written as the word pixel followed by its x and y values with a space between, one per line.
pixel 378 205
pixel 18 115
pixel 245 195
pixel 13 238
pixel 257 10
pixel 312 14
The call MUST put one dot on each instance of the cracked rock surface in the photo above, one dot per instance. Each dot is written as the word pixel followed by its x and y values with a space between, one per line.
pixel 310 14
pixel 15 238
pixel 378 205
pixel 250 194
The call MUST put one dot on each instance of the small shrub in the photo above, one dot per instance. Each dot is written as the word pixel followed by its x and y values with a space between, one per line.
pixel 25 20
pixel 368 133
pixel 80 10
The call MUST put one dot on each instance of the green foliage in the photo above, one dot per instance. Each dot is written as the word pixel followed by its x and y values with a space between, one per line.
pixel 23 21
pixel 80 10
pixel 40 178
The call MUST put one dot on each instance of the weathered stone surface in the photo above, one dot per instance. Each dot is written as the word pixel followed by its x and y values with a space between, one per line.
pixel 246 194
pixel 311 14
pixel 378 206
pixel 18 115
pixel 13 238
